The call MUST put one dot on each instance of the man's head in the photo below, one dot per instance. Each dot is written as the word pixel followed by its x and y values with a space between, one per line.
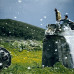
pixel 66 16
pixel 55 10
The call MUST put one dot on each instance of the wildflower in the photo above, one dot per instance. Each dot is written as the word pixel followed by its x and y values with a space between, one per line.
pixel 28 68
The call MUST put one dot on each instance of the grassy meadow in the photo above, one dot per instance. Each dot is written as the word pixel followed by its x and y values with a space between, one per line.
pixel 27 58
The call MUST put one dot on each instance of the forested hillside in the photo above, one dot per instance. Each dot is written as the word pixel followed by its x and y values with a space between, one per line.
pixel 19 29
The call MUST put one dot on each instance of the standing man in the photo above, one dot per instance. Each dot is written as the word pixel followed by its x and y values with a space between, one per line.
pixel 58 15
pixel 58 18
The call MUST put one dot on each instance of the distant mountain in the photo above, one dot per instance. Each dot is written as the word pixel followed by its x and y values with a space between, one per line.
pixel 9 27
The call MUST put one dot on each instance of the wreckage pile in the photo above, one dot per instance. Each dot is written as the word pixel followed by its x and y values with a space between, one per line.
pixel 5 58
pixel 56 48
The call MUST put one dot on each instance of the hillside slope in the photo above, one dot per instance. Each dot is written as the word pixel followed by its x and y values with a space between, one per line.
pixel 19 29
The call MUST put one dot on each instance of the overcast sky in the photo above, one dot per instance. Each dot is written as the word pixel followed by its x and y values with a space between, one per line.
pixel 35 12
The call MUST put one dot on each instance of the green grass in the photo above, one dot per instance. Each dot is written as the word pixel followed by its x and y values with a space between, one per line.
pixel 21 61
pixel 30 62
